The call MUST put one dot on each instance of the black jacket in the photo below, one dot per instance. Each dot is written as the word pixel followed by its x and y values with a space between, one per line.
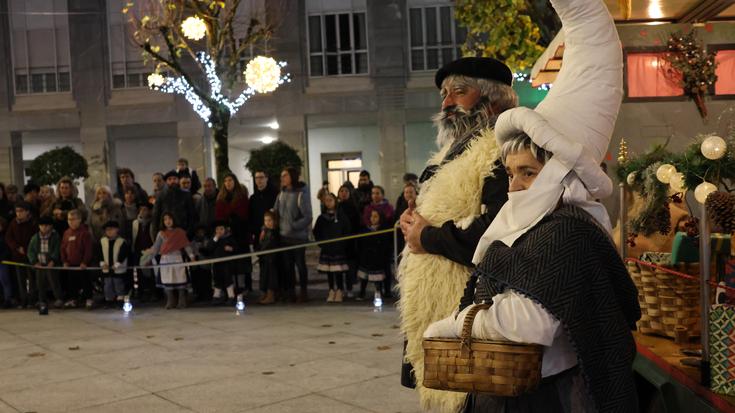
pixel 457 244
pixel 180 204
pixel 374 251
pixel 331 226
pixel 141 196
pixel 260 202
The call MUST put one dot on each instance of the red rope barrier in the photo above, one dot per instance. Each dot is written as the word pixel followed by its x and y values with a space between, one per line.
pixel 730 290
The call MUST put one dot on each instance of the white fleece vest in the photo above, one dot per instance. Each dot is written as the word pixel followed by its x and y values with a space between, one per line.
pixel 431 285
pixel 119 241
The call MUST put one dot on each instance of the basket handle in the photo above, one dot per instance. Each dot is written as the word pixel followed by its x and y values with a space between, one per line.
pixel 469 320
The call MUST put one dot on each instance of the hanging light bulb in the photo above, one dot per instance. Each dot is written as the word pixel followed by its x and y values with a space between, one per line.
pixel 630 179
pixel 664 172
pixel 194 28
pixel 713 147
pixel 702 191
pixel 155 80
pixel 677 182
pixel 263 74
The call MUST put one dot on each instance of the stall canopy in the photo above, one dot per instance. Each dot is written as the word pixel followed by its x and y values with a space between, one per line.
pixel 637 11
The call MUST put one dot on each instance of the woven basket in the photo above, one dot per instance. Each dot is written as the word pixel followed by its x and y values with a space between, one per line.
pixel 498 368
pixel 669 303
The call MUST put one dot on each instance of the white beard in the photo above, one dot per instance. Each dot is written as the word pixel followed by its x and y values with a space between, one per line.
pixel 465 123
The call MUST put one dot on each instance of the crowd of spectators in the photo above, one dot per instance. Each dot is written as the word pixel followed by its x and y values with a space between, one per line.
pixel 58 236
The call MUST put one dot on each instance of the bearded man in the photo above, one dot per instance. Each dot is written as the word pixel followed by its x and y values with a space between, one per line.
pixel 463 187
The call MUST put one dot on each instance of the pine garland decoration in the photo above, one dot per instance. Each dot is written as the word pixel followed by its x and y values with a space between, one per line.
pixel 656 216
pixel 690 66
pixel 721 210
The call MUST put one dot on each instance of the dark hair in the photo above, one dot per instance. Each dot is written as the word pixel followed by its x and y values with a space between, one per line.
pixel 380 214
pixel 273 214
pixel 183 160
pixel 173 218
pixel 410 177
pixel 380 188
pixel 145 205
pixel 294 173
pixel 240 191
pixel 125 171
pixel 31 187
pixel 130 189
pixel 364 172
pixel 260 171
pixel 4 196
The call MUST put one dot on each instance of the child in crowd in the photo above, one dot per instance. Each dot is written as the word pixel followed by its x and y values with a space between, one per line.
pixel 201 275
pixel 373 256
pixel 140 241
pixel 223 245
pixel 269 239
pixel 76 251
pixel 113 252
pixel 43 253
pixel 170 242
pixel 6 282
pixel 19 234
pixel 333 257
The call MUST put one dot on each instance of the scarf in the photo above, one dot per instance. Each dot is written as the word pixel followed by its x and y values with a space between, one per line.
pixel 569 265
pixel 174 240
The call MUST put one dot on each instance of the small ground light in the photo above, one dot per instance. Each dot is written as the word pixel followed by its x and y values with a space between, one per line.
pixel 127 305
pixel 377 302
pixel 240 305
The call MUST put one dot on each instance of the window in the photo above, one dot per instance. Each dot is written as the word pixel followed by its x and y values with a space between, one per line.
pixel 434 36
pixel 646 78
pixel 337 44
pixel 725 72
pixel 126 58
pixel 40 46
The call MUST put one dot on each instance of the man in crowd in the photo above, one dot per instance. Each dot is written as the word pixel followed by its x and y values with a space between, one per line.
pixel 182 167
pixel 262 199
pixel 125 180
pixel 364 190
pixel 159 184
pixel 463 187
pixel 175 201
pixel 206 203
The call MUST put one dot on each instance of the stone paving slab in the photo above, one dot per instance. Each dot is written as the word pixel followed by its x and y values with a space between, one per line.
pixel 287 358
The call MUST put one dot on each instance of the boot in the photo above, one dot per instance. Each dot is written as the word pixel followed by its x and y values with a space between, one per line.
pixel 330 296
pixel 270 298
pixel 338 296
pixel 182 298
pixel 170 299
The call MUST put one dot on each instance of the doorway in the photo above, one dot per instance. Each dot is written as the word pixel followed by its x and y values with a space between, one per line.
pixel 338 168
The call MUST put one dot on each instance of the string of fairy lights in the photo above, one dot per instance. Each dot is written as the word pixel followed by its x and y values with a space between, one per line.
pixel 525 77
pixel 262 75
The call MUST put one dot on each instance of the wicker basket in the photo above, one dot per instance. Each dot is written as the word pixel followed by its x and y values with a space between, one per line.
pixel 669 303
pixel 498 368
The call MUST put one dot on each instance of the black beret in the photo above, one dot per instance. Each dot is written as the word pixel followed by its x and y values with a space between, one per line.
pixel 170 174
pixel 46 220
pixel 111 224
pixel 478 67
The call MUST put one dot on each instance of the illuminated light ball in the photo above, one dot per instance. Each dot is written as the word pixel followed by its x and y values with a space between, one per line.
pixel 677 182
pixel 664 172
pixel 155 80
pixel 702 191
pixel 263 74
pixel 194 28
pixel 630 179
pixel 713 147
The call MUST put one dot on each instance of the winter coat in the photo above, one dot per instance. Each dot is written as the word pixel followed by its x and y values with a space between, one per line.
pixel 129 214
pixel 19 234
pixel 294 212
pixel 269 262
pixel 364 195
pixel 101 213
pixel 329 226
pixel 7 210
pixel 236 214
pixel 196 184
pixel 4 250
pixel 141 196
pixel 54 249
pixel 385 209
pixel 67 204
pixel 140 230
pixel 180 204
pixel 114 253
pixel 373 251
pixel 260 202
pixel 205 208
pixel 219 249
pixel 77 246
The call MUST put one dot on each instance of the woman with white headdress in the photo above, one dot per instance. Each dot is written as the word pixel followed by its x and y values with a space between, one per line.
pixel 547 263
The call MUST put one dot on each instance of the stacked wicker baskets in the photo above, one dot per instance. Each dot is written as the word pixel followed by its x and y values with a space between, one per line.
pixel 484 366
pixel 669 303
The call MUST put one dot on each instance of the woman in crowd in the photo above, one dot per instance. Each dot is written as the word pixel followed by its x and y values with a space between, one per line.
pixel 347 205
pixel 67 199
pixel 104 208
pixel 47 198
pixel 293 206
pixel 232 207
pixel 333 257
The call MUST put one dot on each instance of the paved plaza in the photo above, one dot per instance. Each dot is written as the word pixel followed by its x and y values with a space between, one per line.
pixel 286 358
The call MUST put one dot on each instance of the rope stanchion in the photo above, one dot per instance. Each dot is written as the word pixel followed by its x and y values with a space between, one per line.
pixel 216 260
